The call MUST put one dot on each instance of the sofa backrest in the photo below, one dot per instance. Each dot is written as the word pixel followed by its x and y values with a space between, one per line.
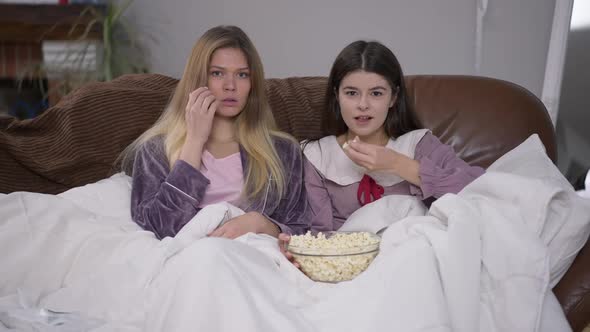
pixel 77 141
pixel 481 118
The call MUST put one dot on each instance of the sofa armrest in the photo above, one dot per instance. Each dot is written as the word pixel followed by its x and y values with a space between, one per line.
pixel 573 291
pixel 5 120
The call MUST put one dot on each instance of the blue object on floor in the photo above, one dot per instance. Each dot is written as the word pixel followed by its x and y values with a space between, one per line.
pixel 24 110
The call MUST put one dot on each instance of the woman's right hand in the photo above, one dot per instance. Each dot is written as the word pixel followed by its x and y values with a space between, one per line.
pixel 199 114
pixel 283 242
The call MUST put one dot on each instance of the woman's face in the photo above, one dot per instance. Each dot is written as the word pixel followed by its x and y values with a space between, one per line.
pixel 229 80
pixel 365 98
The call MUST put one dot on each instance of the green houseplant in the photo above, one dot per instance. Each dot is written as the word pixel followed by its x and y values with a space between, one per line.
pixel 83 60
pixel 121 51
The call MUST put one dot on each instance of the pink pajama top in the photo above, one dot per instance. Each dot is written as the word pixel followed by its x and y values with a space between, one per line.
pixel 225 176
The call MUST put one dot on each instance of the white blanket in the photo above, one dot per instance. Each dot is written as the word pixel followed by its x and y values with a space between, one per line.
pixel 483 260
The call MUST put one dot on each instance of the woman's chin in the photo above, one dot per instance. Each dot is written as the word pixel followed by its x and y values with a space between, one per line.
pixel 364 132
pixel 228 112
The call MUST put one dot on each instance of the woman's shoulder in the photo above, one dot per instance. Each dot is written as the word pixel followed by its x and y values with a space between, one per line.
pixel 429 141
pixel 285 144
pixel 316 146
pixel 414 136
pixel 408 142
pixel 327 157
pixel 152 146
pixel 149 153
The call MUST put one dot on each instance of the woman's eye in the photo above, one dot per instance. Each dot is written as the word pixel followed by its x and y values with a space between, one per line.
pixel 244 75
pixel 216 73
pixel 377 93
pixel 350 93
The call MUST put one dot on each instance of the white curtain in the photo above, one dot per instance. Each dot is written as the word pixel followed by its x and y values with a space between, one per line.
pixel 556 56
pixel 482 8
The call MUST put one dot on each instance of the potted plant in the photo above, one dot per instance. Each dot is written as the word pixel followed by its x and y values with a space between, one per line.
pixel 70 64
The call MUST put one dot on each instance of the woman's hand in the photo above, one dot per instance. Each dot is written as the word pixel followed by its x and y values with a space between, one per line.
pixel 283 242
pixel 370 156
pixel 379 158
pixel 199 114
pixel 250 222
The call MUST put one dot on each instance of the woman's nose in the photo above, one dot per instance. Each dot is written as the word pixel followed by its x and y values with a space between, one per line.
pixel 229 83
pixel 363 104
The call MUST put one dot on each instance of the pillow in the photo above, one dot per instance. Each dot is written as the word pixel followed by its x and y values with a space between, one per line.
pixel 566 225
pixel 77 141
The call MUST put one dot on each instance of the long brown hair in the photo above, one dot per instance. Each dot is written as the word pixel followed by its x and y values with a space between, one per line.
pixel 255 125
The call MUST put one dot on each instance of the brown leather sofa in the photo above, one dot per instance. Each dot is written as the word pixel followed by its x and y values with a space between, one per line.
pixel 77 141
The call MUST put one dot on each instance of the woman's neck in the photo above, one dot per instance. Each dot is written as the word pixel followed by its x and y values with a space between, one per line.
pixel 222 140
pixel 222 130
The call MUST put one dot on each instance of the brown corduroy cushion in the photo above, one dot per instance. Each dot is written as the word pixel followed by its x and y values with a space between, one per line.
pixel 297 104
pixel 77 141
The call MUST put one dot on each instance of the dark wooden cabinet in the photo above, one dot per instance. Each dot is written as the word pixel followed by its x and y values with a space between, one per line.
pixel 23 28
pixel 35 23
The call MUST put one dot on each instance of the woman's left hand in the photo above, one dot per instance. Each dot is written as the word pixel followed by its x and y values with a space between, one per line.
pixel 249 222
pixel 283 243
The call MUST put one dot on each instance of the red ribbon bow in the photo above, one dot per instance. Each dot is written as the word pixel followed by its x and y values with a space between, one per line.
pixel 369 191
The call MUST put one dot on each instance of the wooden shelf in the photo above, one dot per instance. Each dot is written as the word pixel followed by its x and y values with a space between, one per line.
pixel 24 27
pixel 35 23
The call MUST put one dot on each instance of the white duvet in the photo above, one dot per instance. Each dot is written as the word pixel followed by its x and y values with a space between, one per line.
pixel 483 260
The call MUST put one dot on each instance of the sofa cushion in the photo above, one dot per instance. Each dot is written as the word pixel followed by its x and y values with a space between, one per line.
pixel 77 141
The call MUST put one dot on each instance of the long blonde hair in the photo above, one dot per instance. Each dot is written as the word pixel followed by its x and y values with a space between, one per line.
pixel 255 125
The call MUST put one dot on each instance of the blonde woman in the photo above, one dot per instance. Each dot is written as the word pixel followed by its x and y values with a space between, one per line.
pixel 216 141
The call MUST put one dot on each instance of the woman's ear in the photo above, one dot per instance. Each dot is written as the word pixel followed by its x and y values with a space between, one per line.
pixel 393 99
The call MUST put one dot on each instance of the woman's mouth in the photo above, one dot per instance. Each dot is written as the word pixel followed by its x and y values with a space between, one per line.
pixel 364 119
pixel 229 102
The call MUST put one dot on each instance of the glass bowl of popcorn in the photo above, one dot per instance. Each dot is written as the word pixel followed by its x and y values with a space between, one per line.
pixel 334 256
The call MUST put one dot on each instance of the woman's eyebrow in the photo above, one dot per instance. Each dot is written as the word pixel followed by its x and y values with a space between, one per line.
pixel 224 68
pixel 379 87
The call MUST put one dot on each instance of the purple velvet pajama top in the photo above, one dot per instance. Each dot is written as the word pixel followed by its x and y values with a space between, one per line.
pixel 163 200
pixel 441 172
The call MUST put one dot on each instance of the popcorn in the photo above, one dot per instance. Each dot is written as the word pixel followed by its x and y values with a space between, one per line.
pixel 340 256
pixel 347 144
